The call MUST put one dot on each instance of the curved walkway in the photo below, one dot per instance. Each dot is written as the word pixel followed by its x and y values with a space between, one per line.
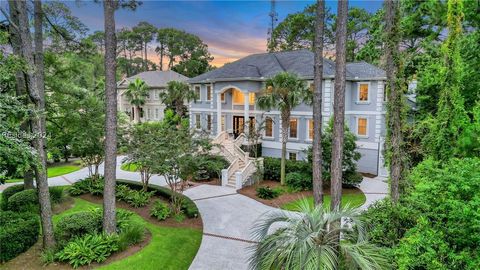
pixel 227 216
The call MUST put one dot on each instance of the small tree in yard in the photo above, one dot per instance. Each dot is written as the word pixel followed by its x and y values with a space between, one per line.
pixel 141 147
pixel 89 133
pixel 174 152
pixel 350 176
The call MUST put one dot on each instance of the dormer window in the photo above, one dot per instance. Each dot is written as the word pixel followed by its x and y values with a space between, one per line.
pixel 363 92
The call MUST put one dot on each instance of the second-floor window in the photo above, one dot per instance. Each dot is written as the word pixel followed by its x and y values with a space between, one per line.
pixel 362 126
pixel 293 130
pixel 363 89
pixel 222 97
pixel 268 127
pixel 209 93
pixel 197 92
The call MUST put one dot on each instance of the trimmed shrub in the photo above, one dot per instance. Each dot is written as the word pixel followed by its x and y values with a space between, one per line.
pixel 132 233
pixel 24 201
pixel 271 167
pixel 89 248
pixel 7 193
pixel 77 224
pixel 188 206
pixel 267 193
pixel 299 181
pixel 18 232
pixel 160 210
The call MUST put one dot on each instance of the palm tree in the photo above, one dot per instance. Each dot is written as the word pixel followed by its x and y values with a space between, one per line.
pixel 284 91
pixel 306 240
pixel 317 105
pixel 136 94
pixel 176 94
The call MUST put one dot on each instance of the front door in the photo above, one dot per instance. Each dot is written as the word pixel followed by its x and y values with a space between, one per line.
pixel 239 124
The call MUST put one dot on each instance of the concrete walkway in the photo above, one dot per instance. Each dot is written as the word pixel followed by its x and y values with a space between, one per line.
pixel 68 179
pixel 228 218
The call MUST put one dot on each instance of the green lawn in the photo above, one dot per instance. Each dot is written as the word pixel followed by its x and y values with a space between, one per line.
pixel 169 248
pixel 354 199
pixel 55 171
pixel 130 167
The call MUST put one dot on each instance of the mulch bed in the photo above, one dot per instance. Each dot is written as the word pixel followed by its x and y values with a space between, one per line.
pixel 144 212
pixel 286 197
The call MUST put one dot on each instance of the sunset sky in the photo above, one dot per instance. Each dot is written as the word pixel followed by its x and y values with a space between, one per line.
pixel 231 29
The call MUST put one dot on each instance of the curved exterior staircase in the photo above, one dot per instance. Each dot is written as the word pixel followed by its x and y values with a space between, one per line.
pixel 242 166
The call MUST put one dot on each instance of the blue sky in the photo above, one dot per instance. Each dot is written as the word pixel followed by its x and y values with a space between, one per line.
pixel 231 29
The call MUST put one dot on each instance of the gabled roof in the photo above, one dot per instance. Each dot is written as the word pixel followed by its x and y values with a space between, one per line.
pixel 155 79
pixel 265 65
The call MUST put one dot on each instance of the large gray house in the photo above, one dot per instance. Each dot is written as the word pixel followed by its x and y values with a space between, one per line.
pixel 227 102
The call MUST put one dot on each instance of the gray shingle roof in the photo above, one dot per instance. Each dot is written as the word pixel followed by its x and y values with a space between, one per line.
pixel 265 65
pixel 154 78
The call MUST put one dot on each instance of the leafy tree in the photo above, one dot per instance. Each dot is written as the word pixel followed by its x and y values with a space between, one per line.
pixel 186 53
pixel 444 129
pixel 284 92
pixel 136 93
pixel 350 155
pixel 175 96
pixel 142 139
pixel 145 33
pixel 306 240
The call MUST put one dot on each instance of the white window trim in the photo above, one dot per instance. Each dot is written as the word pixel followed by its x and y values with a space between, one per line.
pixel 199 92
pixel 206 93
pixel 358 93
pixel 273 128
pixel 298 123
pixel 356 127
pixel 199 120
pixel 292 152
pixel 307 138
pixel 157 113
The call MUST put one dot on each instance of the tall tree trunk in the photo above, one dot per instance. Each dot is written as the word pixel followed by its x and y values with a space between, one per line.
pixel 146 57
pixel 21 88
pixel 339 112
pixel 161 56
pixel 394 107
pixel 109 223
pixel 317 105
pixel 339 105
pixel 34 83
pixel 285 128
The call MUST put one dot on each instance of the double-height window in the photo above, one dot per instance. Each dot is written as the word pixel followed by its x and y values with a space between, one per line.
pixel 362 126
pixel 268 127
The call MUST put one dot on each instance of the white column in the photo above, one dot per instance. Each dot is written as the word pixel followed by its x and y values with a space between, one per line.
pixel 246 107
pixel 327 102
pixel 219 113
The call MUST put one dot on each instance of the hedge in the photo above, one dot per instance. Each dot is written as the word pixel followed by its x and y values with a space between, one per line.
pixel 188 206
pixel 15 198
pixel 271 167
pixel 8 192
pixel 18 232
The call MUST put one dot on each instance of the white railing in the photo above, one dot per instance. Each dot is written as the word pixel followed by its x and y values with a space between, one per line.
pixel 221 137
pixel 234 166
pixel 242 176
pixel 240 139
